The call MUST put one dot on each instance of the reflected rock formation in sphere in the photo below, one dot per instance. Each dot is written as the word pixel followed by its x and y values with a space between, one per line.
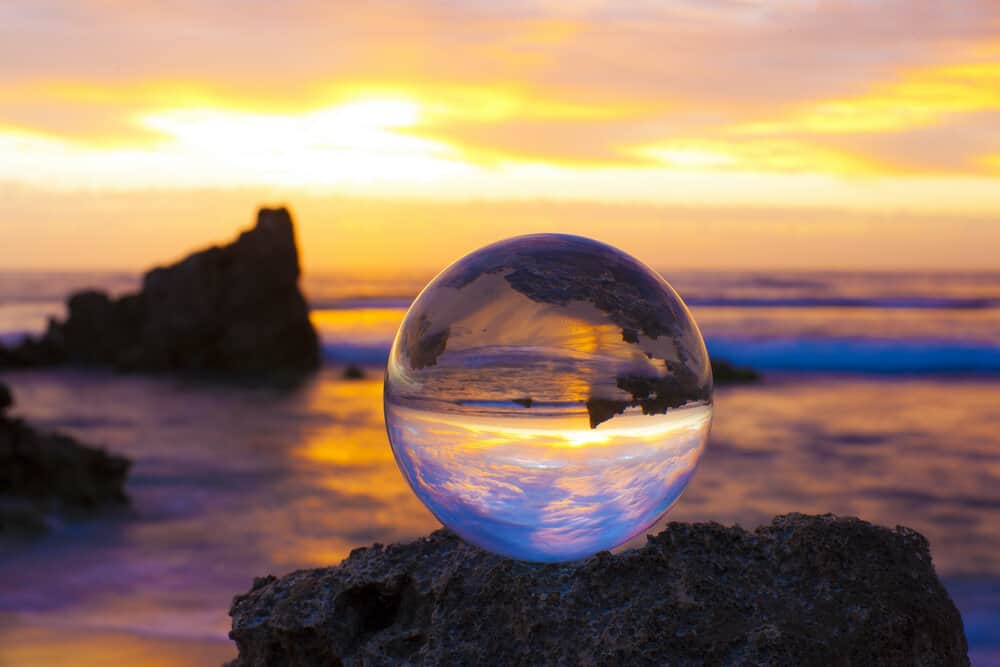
pixel 548 397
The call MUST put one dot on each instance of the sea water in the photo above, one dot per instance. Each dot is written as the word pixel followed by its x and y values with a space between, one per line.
pixel 232 482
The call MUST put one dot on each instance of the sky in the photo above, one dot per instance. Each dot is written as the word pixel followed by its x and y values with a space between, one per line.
pixel 694 134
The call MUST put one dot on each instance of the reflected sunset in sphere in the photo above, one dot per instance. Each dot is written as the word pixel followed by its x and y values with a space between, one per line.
pixel 548 397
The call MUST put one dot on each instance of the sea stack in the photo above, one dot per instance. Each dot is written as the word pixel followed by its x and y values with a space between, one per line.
pixel 235 308
pixel 804 590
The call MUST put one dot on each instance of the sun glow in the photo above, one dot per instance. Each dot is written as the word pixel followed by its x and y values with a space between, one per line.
pixel 401 133
pixel 363 143
pixel 358 142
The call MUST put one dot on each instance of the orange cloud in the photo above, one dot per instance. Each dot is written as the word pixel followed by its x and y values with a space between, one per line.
pixel 780 155
pixel 653 103
pixel 919 98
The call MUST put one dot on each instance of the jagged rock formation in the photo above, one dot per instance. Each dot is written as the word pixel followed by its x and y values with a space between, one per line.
pixel 50 472
pixel 802 590
pixel 233 309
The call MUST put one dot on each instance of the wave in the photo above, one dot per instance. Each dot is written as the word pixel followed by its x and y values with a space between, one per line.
pixel 891 303
pixel 362 303
pixel 846 355
pixel 403 302
pixel 859 355
pixel 365 354
pixel 723 301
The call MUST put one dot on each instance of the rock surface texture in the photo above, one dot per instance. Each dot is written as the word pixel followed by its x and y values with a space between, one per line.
pixel 234 309
pixel 48 472
pixel 804 590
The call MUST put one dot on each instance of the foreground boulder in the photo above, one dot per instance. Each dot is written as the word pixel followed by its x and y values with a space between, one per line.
pixel 803 590
pixel 42 473
pixel 234 309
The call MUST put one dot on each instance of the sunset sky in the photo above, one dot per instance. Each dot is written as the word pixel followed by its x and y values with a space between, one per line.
pixel 708 133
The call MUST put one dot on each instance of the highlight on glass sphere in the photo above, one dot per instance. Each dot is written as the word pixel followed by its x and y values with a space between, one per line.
pixel 548 397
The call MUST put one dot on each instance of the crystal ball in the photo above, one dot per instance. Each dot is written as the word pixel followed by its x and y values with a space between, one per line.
pixel 548 397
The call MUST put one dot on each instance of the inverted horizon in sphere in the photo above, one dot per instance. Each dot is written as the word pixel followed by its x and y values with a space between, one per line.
pixel 548 397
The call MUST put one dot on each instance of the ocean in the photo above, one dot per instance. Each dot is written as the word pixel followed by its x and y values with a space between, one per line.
pixel 881 399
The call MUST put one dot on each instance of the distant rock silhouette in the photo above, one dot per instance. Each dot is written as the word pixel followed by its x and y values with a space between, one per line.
pixel 353 372
pixel 234 309
pixel 49 472
pixel 724 372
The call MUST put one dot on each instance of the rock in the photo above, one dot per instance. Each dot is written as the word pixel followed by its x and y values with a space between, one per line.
pixel 600 410
pixel 21 519
pixel 422 346
pixel 558 269
pixel 724 372
pixel 232 309
pixel 51 466
pixel 45 472
pixel 32 352
pixel 6 399
pixel 802 590
pixel 353 372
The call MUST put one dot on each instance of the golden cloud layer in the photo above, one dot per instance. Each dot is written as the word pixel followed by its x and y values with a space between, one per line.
pixel 746 101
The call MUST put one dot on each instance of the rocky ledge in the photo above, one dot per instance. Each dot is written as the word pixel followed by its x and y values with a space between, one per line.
pixel 231 309
pixel 802 590
pixel 42 473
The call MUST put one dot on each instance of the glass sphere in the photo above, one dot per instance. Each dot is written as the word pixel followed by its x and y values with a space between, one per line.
pixel 548 397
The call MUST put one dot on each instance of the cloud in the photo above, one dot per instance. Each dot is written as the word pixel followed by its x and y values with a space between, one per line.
pixel 512 100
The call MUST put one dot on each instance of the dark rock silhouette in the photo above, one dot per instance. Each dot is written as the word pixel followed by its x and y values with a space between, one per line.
pixel 6 399
pixel 804 590
pixel 601 410
pixel 353 372
pixel 423 347
pixel 655 395
pixel 724 372
pixel 32 352
pixel 559 268
pixel 234 309
pixel 49 472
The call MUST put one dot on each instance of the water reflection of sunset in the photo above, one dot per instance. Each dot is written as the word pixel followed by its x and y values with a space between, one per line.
pixel 349 458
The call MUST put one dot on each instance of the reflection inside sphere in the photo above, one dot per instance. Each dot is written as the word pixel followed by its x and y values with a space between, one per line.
pixel 548 397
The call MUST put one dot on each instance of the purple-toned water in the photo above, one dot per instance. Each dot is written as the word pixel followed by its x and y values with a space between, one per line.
pixel 881 401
